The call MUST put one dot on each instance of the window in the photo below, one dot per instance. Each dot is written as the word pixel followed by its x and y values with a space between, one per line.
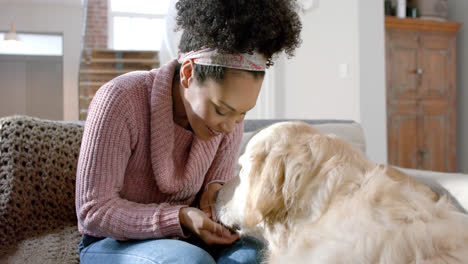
pixel 137 24
pixel 32 44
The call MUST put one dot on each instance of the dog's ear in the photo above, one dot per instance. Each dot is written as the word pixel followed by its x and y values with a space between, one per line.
pixel 299 173
pixel 307 180
pixel 266 181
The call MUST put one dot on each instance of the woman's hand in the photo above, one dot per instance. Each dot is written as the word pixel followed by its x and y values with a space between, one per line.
pixel 210 232
pixel 208 199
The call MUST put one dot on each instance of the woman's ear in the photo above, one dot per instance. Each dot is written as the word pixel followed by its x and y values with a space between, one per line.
pixel 187 73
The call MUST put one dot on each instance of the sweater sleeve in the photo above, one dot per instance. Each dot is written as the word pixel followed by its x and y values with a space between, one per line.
pixel 109 134
pixel 222 168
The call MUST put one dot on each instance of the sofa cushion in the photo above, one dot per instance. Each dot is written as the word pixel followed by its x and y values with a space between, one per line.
pixel 38 161
pixel 349 131
pixel 453 185
pixel 256 124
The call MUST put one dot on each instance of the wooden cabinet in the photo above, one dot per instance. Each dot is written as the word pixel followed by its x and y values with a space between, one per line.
pixel 421 93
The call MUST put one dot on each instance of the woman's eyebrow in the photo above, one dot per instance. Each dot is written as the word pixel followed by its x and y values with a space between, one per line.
pixel 230 107
pixel 227 105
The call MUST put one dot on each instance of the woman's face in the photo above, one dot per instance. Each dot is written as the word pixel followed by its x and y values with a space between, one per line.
pixel 213 108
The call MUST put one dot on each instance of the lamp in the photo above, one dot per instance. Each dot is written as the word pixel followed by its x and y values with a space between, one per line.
pixel 11 36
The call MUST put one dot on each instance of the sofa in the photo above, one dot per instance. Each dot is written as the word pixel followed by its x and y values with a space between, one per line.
pixel 38 161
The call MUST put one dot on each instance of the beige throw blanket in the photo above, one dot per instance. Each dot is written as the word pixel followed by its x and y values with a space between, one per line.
pixel 37 190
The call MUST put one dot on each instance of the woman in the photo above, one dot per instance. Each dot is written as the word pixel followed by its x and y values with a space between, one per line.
pixel 157 145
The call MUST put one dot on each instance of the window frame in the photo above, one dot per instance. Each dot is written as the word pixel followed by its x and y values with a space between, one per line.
pixel 59 53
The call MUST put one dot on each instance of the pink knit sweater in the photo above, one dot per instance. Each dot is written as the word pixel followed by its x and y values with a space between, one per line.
pixel 137 168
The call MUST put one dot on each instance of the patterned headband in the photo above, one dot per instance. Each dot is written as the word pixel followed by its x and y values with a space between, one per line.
pixel 244 61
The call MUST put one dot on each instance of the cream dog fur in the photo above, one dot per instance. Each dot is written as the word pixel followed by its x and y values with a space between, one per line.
pixel 316 200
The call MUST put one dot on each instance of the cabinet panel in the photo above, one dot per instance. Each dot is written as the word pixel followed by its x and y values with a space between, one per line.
pixel 437 147
pixel 438 64
pixel 403 53
pixel 402 125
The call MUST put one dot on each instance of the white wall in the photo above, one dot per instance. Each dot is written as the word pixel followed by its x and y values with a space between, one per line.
pixel 372 81
pixel 339 33
pixel 457 12
pixel 312 87
pixel 43 16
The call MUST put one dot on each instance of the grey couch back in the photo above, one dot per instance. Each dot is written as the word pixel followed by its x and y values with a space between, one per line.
pixel 255 124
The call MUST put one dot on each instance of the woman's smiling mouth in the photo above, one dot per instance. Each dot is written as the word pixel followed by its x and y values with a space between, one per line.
pixel 212 132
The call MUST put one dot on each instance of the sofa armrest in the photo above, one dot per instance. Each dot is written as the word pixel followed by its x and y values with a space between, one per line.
pixel 38 160
pixel 456 184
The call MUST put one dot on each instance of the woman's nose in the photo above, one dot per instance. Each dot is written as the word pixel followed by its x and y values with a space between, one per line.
pixel 228 125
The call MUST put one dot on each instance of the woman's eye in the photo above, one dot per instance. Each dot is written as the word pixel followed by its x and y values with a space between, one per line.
pixel 219 112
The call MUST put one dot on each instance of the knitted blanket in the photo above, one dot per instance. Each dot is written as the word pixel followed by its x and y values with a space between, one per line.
pixel 37 189
pixel 59 246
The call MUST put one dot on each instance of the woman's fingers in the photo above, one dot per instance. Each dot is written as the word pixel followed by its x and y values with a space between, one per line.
pixel 205 204
pixel 209 231
pixel 207 210
pixel 219 230
pixel 211 238
pixel 207 199
pixel 213 213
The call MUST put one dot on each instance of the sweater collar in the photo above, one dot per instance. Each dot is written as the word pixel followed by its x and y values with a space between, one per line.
pixel 179 159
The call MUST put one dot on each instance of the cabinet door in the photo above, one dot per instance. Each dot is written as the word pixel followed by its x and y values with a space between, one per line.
pixel 438 102
pixel 402 126
pixel 437 136
pixel 438 63
pixel 402 61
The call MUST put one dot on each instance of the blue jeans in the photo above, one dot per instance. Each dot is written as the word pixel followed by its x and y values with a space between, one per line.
pixel 164 251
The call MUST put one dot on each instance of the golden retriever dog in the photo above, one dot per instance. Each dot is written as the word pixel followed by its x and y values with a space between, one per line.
pixel 315 199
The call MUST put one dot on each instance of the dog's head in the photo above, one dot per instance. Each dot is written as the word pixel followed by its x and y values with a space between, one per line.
pixel 283 176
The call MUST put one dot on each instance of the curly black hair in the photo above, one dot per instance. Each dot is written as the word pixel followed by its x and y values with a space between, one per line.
pixel 239 26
